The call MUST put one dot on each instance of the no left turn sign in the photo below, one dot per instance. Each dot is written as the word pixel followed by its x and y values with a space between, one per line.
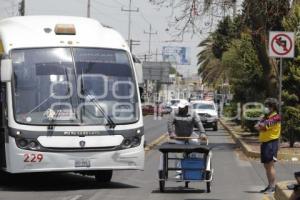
pixel 281 44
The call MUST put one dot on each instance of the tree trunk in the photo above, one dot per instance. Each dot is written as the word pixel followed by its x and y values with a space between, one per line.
pixel 296 2
pixel 261 22
pixel 269 76
pixel 291 139
pixel 258 27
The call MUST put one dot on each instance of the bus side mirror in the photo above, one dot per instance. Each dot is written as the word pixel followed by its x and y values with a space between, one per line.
pixel 6 70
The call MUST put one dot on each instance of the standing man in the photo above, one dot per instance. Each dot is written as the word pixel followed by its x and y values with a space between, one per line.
pixel 269 132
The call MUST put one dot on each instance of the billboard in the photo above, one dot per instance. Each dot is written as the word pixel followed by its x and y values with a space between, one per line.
pixel 156 71
pixel 179 55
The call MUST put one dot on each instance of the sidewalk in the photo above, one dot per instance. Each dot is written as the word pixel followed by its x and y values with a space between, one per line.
pixel 251 147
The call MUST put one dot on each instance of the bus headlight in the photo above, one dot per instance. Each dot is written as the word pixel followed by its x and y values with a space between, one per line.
pixel 33 145
pixel 126 143
pixel 136 141
pixel 131 142
pixel 28 144
pixel 22 143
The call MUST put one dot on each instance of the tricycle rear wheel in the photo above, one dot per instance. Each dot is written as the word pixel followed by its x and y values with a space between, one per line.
pixel 208 184
pixel 208 189
pixel 186 184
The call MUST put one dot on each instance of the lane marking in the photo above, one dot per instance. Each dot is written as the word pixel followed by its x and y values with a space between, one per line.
pixel 156 142
pixel 76 197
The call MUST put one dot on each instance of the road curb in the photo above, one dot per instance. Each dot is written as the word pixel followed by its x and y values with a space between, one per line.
pixel 156 142
pixel 245 148
pixel 281 191
pixel 268 197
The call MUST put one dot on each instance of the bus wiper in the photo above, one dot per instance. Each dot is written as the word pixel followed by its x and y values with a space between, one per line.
pixel 71 98
pixel 38 106
pixel 92 99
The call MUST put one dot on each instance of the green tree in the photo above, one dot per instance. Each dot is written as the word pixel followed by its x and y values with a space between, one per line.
pixel 291 82
pixel 245 74
pixel 291 108
pixel 225 32
pixel 209 59
pixel 244 70
pixel 260 16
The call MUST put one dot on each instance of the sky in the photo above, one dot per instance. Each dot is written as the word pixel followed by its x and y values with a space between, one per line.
pixel 109 13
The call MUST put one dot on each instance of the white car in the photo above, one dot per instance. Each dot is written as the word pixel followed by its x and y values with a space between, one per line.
pixel 175 102
pixel 207 111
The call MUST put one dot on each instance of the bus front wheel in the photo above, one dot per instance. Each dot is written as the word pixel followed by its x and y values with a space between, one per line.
pixel 104 176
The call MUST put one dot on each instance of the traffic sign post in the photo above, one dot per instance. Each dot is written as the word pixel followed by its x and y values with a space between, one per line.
pixel 281 45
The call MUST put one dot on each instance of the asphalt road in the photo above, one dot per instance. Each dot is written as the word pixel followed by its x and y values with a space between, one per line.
pixel 236 177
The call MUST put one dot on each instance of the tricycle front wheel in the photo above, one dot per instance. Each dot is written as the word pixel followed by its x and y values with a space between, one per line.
pixel 161 186
pixel 161 182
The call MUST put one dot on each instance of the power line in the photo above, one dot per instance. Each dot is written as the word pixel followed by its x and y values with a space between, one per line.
pixel 105 14
pixel 118 2
pixel 143 16
pixel 105 5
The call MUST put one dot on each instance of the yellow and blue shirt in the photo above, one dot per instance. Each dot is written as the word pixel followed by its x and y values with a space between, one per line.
pixel 270 127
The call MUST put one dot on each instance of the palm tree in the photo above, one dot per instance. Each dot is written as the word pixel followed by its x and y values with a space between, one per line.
pixel 210 67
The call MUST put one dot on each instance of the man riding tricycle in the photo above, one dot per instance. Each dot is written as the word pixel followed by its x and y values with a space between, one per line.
pixel 192 161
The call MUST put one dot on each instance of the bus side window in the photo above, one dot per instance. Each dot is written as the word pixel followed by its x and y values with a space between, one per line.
pixel 2 134
pixel 1 97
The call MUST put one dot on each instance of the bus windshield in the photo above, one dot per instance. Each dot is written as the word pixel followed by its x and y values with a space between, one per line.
pixel 70 85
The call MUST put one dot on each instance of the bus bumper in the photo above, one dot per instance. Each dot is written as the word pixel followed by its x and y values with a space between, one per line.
pixel 25 161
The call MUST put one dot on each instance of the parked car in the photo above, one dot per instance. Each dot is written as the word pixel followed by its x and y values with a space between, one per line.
pixel 166 109
pixel 207 112
pixel 149 109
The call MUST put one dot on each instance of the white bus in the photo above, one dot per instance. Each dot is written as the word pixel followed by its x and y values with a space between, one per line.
pixel 69 98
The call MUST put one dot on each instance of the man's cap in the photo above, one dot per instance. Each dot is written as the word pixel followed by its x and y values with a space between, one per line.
pixel 271 102
pixel 183 104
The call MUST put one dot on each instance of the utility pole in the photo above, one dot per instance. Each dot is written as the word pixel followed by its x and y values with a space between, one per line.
pixel 129 20
pixel 280 86
pixel 133 43
pixel 89 9
pixel 21 8
pixel 150 33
